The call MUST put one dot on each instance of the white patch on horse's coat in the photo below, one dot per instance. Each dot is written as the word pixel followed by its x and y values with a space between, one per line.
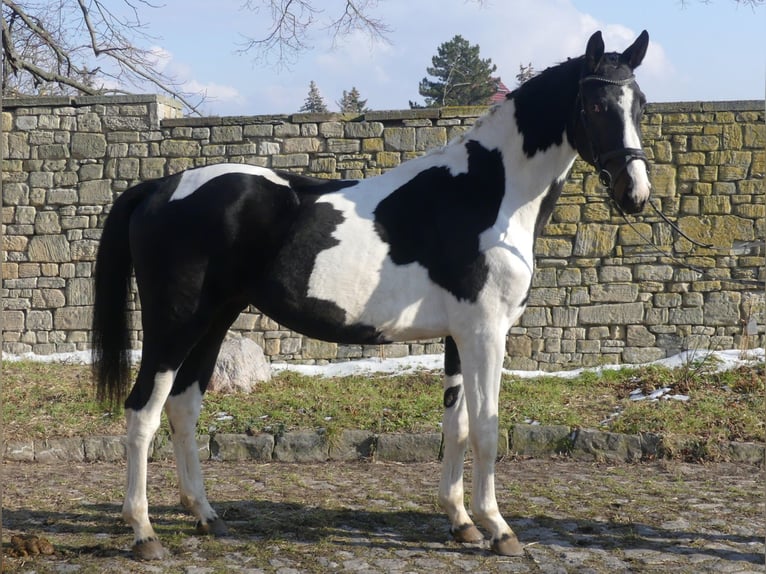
pixel 636 169
pixel 193 179
pixel 398 300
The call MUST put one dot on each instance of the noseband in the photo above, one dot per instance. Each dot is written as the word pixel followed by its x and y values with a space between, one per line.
pixel 628 154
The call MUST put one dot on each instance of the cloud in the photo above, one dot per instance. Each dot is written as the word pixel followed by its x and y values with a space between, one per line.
pixel 182 75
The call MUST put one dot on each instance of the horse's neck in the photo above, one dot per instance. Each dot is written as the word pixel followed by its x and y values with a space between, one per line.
pixel 528 180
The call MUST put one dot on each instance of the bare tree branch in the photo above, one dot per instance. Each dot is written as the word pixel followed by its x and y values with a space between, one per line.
pixel 292 22
pixel 80 46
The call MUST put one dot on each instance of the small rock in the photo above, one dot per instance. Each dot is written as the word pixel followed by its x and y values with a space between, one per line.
pixel 240 365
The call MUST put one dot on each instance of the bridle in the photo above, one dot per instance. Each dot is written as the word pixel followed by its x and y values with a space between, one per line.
pixel 628 154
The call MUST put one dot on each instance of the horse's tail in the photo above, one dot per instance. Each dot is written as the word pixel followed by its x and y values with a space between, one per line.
pixel 110 343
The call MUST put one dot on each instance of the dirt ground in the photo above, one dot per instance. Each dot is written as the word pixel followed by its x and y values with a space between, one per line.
pixel 383 517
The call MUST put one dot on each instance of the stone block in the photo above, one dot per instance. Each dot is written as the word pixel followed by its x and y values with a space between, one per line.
pixel 297 145
pixel 722 308
pixel 49 248
pixel 175 148
pixel 606 446
pixel 612 314
pixel 88 145
pixel 290 160
pixel 595 240
pixel 105 448
pixel 640 355
pixel 226 134
pixel 363 129
pixel 60 450
pixel 96 192
pixel 302 446
pixel 540 440
pixel 553 247
pixel 79 291
pixel 19 450
pixel 352 445
pixel 336 145
pixel 409 447
pixel 614 293
pixel 428 138
pixel 73 318
pixel 39 321
pixel 162 447
pixel 315 349
pixel 399 139
pixel 238 447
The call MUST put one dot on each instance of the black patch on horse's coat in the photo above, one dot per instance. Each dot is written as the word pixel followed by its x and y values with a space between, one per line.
pixel 283 293
pixel 435 219
pixel 450 396
pixel 451 358
pixel 547 205
pixel 545 105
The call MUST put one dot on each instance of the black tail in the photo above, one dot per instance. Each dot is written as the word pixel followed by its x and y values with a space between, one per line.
pixel 111 355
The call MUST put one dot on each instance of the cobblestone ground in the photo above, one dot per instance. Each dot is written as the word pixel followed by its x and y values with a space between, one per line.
pixel 382 517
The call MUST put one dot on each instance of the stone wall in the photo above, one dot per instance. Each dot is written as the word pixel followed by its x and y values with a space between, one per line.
pixel 601 293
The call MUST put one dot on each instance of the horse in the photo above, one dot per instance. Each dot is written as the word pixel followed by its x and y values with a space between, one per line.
pixel 440 246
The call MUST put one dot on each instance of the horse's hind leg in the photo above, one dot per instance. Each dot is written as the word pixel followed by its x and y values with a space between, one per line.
pixel 143 411
pixel 455 429
pixel 183 408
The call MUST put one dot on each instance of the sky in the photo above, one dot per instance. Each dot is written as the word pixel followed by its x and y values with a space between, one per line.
pixel 699 50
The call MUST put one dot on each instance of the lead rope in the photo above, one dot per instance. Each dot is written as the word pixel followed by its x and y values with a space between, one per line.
pixel 650 243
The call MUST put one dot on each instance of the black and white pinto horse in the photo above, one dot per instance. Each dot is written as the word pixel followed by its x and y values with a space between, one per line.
pixel 441 246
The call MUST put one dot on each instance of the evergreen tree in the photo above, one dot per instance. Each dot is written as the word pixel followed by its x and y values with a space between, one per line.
pixel 462 78
pixel 351 102
pixel 314 102
pixel 525 73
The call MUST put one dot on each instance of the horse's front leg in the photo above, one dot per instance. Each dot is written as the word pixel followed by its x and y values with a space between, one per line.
pixel 482 362
pixel 455 430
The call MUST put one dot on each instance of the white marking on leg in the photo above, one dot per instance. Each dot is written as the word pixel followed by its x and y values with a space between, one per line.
pixel 183 411
pixel 455 429
pixel 481 357
pixel 636 169
pixel 142 424
pixel 193 179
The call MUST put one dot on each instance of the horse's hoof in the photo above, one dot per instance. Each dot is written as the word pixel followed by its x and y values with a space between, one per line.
pixel 217 527
pixel 467 533
pixel 149 550
pixel 507 545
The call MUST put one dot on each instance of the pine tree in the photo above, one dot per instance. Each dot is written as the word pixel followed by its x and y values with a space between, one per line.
pixel 314 102
pixel 350 102
pixel 525 73
pixel 462 78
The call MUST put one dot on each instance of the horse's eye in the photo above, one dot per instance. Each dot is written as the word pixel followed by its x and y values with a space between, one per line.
pixel 597 108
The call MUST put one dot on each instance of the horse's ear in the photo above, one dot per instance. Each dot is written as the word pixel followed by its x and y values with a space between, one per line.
pixel 634 55
pixel 594 53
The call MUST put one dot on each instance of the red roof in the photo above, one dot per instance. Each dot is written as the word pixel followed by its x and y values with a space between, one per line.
pixel 499 95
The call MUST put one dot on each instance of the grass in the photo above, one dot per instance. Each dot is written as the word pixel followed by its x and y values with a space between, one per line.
pixel 55 400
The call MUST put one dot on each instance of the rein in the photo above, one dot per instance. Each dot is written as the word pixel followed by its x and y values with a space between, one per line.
pixel 649 242
pixel 628 154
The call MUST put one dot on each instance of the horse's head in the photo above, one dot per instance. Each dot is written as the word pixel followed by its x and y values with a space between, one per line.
pixel 610 108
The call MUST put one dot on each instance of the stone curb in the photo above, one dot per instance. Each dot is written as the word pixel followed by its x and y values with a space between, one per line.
pixel 316 446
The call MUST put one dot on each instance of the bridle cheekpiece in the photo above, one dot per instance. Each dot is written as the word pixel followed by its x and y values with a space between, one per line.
pixel 628 154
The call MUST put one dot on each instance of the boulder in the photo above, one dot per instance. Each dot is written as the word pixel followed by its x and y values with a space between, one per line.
pixel 240 365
